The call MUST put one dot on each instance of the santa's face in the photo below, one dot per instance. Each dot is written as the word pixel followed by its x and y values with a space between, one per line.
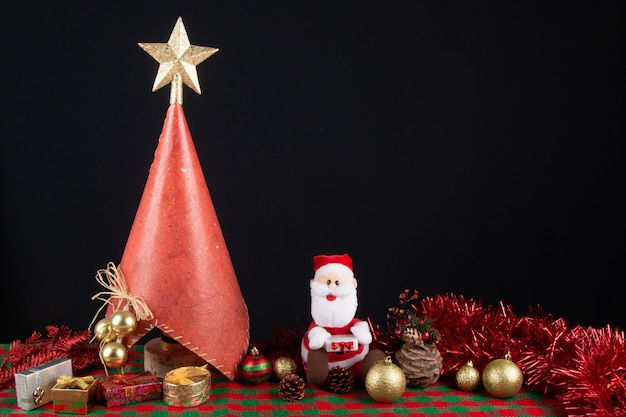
pixel 333 299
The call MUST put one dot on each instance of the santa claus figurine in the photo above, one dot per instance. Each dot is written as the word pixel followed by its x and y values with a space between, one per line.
pixel 336 338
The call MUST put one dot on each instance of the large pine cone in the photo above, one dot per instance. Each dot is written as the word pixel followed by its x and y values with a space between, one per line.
pixel 421 364
pixel 339 381
pixel 291 388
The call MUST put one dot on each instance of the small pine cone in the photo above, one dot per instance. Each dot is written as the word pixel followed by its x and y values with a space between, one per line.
pixel 339 381
pixel 291 388
pixel 435 336
pixel 412 336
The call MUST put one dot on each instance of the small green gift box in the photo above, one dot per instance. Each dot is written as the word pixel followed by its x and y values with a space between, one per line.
pixel 74 395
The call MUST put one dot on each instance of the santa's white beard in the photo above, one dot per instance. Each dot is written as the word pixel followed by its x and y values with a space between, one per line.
pixel 336 313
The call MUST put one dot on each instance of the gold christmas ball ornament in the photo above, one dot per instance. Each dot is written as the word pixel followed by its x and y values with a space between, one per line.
pixel 103 331
pixel 284 366
pixel 123 322
pixel 502 378
pixel 467 377
pixel 385 382
pixel 114 355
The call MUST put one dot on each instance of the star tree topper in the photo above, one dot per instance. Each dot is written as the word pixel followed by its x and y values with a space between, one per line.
pixel 176 259
pixel 178 59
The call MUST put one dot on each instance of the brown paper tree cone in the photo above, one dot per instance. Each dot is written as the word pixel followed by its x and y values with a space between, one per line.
pixel 176 257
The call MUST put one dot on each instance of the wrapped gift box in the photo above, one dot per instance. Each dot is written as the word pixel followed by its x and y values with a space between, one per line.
pixel 74 395
pixel 187 386
pixel 342 343
pixel 130 388
pixel 33 386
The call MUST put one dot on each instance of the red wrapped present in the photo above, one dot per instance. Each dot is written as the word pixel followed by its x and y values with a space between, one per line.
pixel 130 388
pixel 74 394
pixel 342 343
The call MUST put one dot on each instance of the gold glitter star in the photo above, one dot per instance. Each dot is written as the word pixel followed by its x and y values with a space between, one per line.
pixel 177 61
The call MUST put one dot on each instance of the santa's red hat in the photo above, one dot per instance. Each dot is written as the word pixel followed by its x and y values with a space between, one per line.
pixel 340 264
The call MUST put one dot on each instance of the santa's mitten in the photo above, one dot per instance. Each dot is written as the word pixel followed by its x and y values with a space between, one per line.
pixel 362 332
pixel 317 337
pixel 373 356
pixel 317 366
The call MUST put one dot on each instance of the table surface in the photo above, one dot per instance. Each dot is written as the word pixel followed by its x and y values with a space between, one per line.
pixel 232 398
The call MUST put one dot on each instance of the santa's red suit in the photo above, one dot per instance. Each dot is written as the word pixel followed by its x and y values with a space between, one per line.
pixel 346 359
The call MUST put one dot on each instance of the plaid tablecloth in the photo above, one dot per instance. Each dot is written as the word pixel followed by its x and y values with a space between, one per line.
pixel 235 399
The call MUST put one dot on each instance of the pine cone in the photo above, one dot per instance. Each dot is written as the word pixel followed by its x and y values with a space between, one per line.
pixel 412 336
pixel 339 381
pixel 421 364
pixel 291 388
pixel 435 336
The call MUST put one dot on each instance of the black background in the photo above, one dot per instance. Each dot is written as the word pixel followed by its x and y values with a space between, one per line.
pixel 455 148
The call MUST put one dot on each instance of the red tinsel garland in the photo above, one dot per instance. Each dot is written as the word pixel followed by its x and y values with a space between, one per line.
pixel 583 368
pixel 61 342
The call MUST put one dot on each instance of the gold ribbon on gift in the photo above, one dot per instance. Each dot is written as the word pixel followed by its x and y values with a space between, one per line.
pixel 184 375
pixel 74 382
pixel 113 280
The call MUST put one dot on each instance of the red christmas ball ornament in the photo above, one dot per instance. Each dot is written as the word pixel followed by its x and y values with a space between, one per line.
pixel 256 368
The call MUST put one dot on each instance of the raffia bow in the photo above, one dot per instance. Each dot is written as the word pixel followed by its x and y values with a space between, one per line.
pixel 113 280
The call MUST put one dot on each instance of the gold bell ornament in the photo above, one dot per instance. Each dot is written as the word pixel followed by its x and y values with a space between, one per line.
pixel 123 323
pixel 103 331
pixel 113 355
pixel 502 378
pixel 385 382
pixel 110 331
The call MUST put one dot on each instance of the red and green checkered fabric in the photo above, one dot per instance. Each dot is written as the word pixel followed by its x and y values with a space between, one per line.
pixel 230 398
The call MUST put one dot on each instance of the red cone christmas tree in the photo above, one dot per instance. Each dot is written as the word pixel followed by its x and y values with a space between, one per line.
pixel 176 257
